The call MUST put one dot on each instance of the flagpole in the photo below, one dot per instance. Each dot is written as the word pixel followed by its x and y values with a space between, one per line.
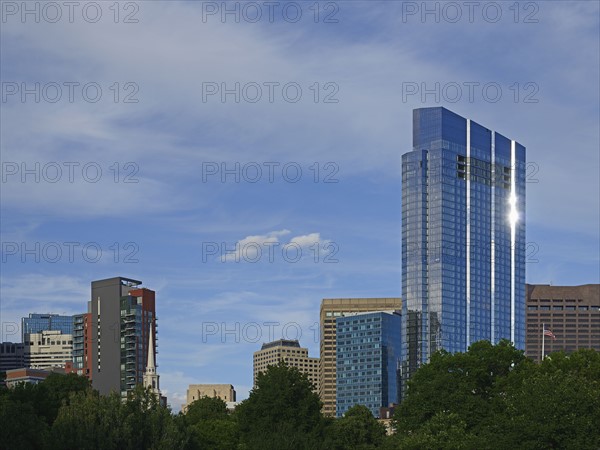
pixel 543 339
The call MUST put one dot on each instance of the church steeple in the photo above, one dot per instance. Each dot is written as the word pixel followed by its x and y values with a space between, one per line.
pixel 150 376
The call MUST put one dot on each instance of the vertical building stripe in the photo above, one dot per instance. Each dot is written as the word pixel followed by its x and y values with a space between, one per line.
pixel 513 226
pixel 468 249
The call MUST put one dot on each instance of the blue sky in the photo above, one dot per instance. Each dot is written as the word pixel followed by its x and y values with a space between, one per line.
pixel 371 57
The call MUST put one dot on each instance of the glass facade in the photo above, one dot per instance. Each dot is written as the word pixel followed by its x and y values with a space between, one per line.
pixel 463 237
pixel 36 323
pixel 78 343
pixel 137 323
pixel 368 355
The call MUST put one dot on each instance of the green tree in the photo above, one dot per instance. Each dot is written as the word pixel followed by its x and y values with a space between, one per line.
pixel 210 425
pixel 443 431
pixel 21 426
pixel 491 397
pixel 206 408
pixel 459 383
pixel 282 412
pixel 89 421
pixel 93 421
pixel 555 404
pixel 356 430
pixel 48 396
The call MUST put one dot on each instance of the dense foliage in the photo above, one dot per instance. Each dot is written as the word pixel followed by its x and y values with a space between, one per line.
pixel 490 397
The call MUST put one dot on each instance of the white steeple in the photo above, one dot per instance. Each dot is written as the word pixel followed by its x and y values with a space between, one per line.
pixel 150 376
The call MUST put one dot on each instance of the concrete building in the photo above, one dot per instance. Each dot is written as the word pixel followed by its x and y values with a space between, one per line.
pixel 122 316
pixel 48 348
pixel 463 237
pixel 368 358
pixel 11 356
pixel 332 308
pixel 36 323
pixel 292 354
pixel 572 313
pixel 225 392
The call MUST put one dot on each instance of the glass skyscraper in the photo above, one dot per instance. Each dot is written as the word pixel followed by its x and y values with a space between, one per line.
pixel 36 323
pixel 368 356
pixel 463 237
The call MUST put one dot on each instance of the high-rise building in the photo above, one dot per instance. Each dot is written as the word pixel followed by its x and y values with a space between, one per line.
pixel 332 308
pixel 463 237
pixel 368 359
pixel 292 354
pixel 571 313
pixel 36 323
pixel 47 349
pixel 123 315
pixel 82 344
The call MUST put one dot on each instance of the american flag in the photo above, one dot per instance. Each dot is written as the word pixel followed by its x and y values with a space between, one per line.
pixel 549 334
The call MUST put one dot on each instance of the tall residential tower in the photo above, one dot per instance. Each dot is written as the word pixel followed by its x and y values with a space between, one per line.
pixel 463 237
pixel 123 316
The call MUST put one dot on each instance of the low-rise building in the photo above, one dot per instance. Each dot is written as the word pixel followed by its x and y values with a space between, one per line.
pixel 28 375
pixel 225 392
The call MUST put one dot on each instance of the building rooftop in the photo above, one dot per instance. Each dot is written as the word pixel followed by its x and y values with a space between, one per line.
pixel 281 343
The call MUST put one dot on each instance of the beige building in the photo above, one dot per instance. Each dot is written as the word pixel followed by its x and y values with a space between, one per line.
pixel 331 308
pixel 49 348
pixel 225 392
pixel 572 313
pixel 292 354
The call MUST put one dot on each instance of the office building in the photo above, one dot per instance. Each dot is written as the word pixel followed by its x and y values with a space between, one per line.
pixel 225 392
pixel 122 316
pixel 47 349
pixel 572 313
pixel 12 356
pixel 36 323
pixel 292 354
pixel 368 358
pixel 463 237
pixel 332 308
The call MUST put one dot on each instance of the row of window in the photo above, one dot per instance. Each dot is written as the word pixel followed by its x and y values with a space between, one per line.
pixel 563 307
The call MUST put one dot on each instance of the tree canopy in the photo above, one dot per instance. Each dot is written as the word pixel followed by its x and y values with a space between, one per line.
pixel 494 397
pixel 490 397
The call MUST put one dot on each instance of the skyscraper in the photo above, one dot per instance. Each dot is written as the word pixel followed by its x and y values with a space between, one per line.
pixel 331 309
pixel 368 354
pixel 122 316
pixel 463 237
